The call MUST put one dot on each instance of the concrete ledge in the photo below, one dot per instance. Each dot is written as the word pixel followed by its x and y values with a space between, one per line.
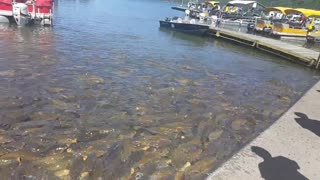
pixel 293 142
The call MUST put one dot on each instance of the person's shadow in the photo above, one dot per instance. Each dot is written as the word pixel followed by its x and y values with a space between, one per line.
pixel 277 168
pixel 310 124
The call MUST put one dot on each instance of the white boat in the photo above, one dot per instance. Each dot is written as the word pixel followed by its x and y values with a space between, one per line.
pixel 240 13
pixel 192 26
pixel 24 12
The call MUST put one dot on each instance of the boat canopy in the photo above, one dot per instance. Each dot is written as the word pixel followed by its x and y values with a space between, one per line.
pixel 242 2
pixel 279 9
pixel 44 3
pixel 6 1
pixel 213 3
pixel 306 12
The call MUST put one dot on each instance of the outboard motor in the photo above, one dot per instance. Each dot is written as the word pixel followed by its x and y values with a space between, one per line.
pixel 251 27
pixel 187 12
pixel 202 17
pixel 44 11
pixel 187 15
pixel 21 14
pixel 214 20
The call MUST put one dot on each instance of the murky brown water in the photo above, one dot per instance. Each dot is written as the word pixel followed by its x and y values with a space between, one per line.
pixel 111 96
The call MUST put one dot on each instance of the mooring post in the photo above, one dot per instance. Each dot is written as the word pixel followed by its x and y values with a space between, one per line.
pixel 218 33
pixel 254 43
pixel 318 62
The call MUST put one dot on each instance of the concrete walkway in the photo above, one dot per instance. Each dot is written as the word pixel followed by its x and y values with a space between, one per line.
pixel 288 150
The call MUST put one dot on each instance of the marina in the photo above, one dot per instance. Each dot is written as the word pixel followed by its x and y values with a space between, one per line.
pixel 265 34
pixel 241 14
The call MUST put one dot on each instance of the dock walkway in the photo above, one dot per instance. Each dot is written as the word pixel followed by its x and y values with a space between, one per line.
pixel 289 149
pixel 286 50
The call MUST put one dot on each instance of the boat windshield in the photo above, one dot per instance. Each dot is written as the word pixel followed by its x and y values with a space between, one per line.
pixel 302 17
pixel 244 8
pixel 275 13
pixel 305 12
pixel 213 5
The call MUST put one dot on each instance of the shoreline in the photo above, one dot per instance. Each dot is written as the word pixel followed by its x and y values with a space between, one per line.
pixel 294 138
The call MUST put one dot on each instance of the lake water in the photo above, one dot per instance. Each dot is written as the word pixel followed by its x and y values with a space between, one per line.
pixel 107 94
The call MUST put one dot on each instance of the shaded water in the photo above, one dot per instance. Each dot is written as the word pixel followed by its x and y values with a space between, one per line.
pixel 106 93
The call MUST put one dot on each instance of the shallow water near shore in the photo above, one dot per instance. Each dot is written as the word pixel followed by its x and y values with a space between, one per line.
pixel 107 94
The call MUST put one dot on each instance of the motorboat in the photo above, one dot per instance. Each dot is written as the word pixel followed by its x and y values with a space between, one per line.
pixel 241 9
pixel 211 7
pixel 271 15
pixel 300 22
pixel 191 5
pixel 11 10
pixel 196 9
pixel 192 26
pixel 240 13
pixel 24 12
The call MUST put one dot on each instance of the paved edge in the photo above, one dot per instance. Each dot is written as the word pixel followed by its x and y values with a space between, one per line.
pixel 284 138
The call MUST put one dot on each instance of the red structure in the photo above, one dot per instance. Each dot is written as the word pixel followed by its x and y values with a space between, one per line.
pixel 44 5
pixel 6 1
pixel 5 5
pixel 38 11
pixel 41 6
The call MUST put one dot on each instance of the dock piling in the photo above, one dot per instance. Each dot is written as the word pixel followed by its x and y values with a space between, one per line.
pixel 318 62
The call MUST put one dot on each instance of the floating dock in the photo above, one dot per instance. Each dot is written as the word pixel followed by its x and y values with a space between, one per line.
pixel 313 38
pixel 285 50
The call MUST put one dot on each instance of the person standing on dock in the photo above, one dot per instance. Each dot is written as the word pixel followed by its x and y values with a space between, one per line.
pixel 303 20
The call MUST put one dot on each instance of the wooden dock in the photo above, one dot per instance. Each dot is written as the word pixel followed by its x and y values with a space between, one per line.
pixel 313 38
pixel 285 50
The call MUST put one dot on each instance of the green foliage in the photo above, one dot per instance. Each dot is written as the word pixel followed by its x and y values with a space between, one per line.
pixel 311 4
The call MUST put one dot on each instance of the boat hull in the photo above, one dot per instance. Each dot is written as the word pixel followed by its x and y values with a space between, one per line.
pixel 185 27
pixel 4 19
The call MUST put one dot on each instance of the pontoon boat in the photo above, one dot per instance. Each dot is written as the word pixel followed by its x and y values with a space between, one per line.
pixel 24 12
pixel 300 23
